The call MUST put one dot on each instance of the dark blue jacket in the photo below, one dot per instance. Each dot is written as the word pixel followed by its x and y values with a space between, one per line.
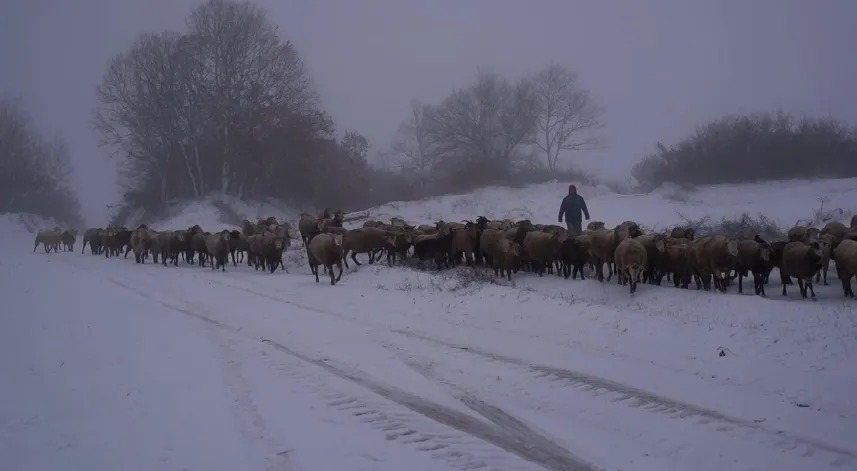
pixel 571 207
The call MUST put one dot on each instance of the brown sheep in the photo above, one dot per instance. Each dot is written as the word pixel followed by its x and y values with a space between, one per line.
pixel 688 233
pixel 93 238
pixel 487 245
pixel 308 227
pixel 69 237
pixel 603 245
pixel 845 255
pixel 715 256
pixel 50 239
pixel 505 256
pixel 140 243
pixel 197 247
pixel 464 241
pixel 630 258
pixel 217 249
pixel 573 255
pixel 800 261
pixel 803 234
pixel 173 247
pixel 826 242
pixel 270 251
pixel 654 270
pixel 754 257
pixel 108 238
pixel 675 263
pixel 595 225
pixel 368 240
pixel 541 249
pixel 326 250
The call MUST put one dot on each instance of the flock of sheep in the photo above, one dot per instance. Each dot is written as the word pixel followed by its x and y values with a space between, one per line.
pixel 505 246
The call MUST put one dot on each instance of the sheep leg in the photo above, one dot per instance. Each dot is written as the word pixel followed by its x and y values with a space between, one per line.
pixel 314 269
pixel 759 284
pixel 354 257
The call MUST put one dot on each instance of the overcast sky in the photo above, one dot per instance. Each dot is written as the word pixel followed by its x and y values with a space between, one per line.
pixel 659 67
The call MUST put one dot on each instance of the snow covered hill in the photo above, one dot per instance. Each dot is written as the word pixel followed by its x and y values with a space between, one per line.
pixel 113 365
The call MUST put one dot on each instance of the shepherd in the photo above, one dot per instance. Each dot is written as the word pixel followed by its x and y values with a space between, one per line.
pixel 571 207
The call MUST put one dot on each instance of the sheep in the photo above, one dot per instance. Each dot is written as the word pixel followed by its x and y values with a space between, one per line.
pixel 826 242
pixel 198 247
pixel 675 262
pixel 326 249
pixel 174 245
pixel 108 237
pixel 190 249
pixel 50 239
pixel 604 242
pixel 803 234
pixel 93 238
pixel 573 257
pixel 464 240
pixel 801 261
pixel 140 243
pixel 630 258
pixel 238 244
pixel 505 256
pixel 435 246
pixel 715 257
pixel 595 225
pixel 308 227
pixel 397 244
pixel 854 221
pixel 541 248
pixel 654 270
pixel 754 256
pixel 68 239
pixel 217 248
pixel 368 240
pixel 271 252
pixel 845 256
pixel 487 242
pixel 686 232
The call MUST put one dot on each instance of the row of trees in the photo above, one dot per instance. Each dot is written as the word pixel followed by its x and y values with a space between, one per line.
pixel 495 131
pixel 228 107
pixel 35 170
pixel 764 146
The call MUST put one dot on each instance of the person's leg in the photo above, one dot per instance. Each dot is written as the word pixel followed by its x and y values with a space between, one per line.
pixel 569 225
pixel 578 229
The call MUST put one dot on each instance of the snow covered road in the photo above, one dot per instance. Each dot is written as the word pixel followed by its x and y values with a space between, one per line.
pixel 113 365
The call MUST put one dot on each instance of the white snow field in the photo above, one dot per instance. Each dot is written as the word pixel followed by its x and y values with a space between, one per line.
pixel 111 365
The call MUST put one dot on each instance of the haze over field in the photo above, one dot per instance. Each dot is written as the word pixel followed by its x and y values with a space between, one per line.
pixel 658 68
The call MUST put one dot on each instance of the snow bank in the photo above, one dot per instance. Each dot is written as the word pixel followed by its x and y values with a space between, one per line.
pixel 223 211
pixel 785 202
pixel 25 223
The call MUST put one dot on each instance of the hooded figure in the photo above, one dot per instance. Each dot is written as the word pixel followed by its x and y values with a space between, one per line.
pixel 571 207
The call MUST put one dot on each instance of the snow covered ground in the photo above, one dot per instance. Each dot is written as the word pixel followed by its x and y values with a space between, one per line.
pixel 112 365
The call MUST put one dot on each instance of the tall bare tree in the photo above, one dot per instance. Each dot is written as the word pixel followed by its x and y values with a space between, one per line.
pixel 226 107
pixel 480 129
pixel 413 147
pixel 35 171
pixel 567 114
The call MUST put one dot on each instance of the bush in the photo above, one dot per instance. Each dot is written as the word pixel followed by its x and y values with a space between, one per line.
pixel 745 226
pixel 738 149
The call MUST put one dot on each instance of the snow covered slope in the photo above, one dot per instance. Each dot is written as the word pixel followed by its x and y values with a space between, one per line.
pixel 399 369
pixel 785 202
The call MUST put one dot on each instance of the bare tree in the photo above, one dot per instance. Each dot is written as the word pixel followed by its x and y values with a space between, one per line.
pixel 479 129
pixel 35 171
pixel 226 108
pixel 567 114
pixel 413 147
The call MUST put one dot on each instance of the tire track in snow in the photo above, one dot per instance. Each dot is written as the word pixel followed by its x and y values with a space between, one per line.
pixel 625 394
pixel 250 423
pixel 522 443
pixel 651 402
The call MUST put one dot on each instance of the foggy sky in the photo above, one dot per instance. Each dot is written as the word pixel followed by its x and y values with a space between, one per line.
pixel 659 67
